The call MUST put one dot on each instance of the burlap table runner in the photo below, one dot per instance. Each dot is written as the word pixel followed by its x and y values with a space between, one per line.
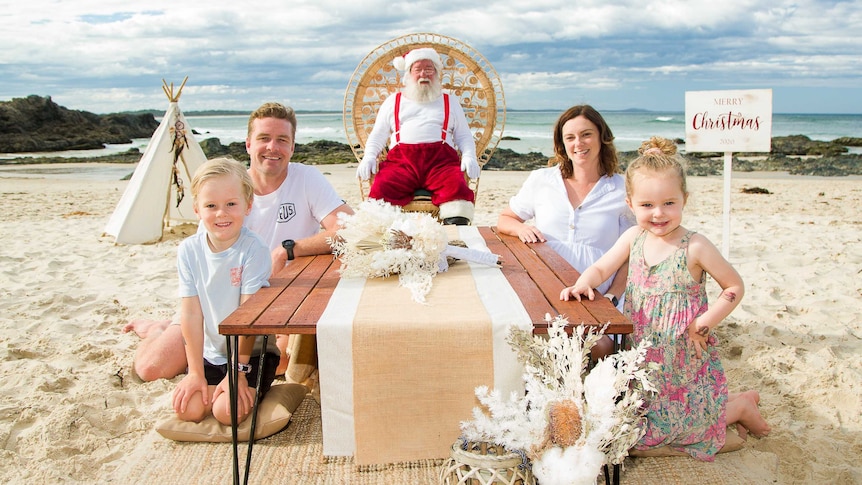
pixel 415 367
pixel 398 377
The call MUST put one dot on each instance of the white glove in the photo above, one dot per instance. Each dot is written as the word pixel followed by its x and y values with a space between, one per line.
pixel 366 167
pixel 471 166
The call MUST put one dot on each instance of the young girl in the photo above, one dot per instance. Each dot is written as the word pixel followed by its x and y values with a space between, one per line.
pixel 667 303
pixel 219 268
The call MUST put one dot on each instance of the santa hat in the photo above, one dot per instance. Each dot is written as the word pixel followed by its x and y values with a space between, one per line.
pixel 427 53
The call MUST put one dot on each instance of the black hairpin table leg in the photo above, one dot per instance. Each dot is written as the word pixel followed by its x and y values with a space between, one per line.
pixel 254 407
pixel 232 376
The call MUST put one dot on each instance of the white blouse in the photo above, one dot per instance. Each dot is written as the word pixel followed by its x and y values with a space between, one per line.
pixel 580 235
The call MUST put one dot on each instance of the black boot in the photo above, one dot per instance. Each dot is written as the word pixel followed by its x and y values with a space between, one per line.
pixel 456 221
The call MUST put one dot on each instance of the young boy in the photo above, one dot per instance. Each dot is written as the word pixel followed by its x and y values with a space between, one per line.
pixel 219 268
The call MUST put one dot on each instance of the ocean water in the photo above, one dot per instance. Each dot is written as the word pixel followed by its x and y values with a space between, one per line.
pixel 533 129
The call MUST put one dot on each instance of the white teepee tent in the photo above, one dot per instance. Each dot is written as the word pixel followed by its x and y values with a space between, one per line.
pixel 159 192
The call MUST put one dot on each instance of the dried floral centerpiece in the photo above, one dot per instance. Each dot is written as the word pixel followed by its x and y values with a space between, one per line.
pixel 380 240
pixel 571 421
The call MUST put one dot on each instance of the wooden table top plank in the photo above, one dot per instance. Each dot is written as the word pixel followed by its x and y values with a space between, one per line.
pixel 304 321
pixel 556 263
pixel 598 311
pixel 296 280
pixel 286 307
pixel 534 301
pixel 248 313
pixel 547 281
pixel 568 275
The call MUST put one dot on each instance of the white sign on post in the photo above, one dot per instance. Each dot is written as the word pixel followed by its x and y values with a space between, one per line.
pixel 728 121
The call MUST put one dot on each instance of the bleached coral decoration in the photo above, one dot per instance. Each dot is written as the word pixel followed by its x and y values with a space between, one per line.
pixel 571 421
pixel 380 240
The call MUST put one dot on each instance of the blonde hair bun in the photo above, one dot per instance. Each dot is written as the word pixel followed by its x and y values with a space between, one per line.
pixel 657 146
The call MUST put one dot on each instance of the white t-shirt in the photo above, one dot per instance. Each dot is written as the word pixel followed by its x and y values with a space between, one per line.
pixel 218 280
pixel 581 235
pixel 296 209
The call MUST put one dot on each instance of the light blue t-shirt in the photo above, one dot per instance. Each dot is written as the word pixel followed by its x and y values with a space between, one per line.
pixel 218 280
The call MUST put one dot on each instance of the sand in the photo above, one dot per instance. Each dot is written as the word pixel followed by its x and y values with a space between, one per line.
pixel 71 410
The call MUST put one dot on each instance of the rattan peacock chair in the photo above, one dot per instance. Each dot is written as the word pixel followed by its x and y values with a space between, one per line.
pixel 466 74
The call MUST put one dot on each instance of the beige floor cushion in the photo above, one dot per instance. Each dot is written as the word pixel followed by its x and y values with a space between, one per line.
pixel 273 415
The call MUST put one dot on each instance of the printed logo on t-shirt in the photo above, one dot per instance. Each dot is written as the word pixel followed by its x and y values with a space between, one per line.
pixel 286 212
pixel 236 276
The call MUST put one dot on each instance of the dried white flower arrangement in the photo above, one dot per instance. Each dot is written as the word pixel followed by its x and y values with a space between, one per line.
pixel 571 421
pixel 380 240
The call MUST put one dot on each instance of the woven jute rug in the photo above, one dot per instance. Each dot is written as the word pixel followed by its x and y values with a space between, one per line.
pixel 292 456
pixel 295 456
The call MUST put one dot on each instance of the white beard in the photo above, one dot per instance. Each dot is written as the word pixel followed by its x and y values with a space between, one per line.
pixel 423 92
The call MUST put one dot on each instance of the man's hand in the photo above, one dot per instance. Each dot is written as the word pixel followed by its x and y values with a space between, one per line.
pixel 279 260
pixel 471 167
pixel 366 168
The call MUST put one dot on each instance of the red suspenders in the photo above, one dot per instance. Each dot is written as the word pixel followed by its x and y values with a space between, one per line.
pixel 398 121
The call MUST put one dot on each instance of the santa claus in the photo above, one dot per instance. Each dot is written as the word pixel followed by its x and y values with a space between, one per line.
pixel 425 129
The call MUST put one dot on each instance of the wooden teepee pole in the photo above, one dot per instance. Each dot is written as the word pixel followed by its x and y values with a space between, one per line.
pixel 169 92
pixel 173 98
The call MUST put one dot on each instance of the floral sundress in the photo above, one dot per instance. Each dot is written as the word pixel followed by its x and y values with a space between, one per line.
pixel 689 411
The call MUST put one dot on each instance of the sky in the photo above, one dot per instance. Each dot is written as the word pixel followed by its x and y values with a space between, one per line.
pixel 110 56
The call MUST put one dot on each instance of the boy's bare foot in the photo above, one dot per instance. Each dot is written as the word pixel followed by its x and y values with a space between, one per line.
pixel 143 328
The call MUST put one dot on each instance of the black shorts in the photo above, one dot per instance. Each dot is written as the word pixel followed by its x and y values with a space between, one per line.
pixel 216 373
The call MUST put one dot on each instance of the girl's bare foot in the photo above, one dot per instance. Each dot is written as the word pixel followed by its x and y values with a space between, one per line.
pixel 143 328
pixel 749 419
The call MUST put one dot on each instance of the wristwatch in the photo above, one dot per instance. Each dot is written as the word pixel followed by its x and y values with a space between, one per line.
pixel 614 300
pixel 288 245
pixel 244 368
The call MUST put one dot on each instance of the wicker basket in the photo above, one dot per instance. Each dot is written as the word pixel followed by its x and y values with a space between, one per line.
pixel 481 463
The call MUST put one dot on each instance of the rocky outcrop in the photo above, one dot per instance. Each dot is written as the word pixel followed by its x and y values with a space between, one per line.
pixel 802 145
pixel 794 154
pixel 319 152
pixel 325 152
pixel 212 147
pixel 848 141
pixel 506 159
pixel 37 124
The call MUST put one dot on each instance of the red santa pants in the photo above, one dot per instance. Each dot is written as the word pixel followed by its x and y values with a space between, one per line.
pixel 410 167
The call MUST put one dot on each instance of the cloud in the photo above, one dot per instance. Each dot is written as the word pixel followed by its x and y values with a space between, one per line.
pixel 89 56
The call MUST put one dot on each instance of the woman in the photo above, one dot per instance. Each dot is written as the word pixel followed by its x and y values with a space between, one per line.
pixel 577 204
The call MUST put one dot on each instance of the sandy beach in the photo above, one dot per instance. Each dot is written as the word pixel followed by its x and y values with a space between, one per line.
pixel 72 412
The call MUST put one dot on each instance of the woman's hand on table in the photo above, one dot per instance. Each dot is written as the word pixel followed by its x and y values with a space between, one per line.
pixel 530 234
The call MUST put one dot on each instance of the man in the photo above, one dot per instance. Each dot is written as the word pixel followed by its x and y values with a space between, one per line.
pixel 291 203
pixel 423 127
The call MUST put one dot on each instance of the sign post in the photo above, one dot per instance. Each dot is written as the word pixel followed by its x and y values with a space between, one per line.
pixel 728 121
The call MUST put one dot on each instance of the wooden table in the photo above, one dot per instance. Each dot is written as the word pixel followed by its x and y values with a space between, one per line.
pixel 298 296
